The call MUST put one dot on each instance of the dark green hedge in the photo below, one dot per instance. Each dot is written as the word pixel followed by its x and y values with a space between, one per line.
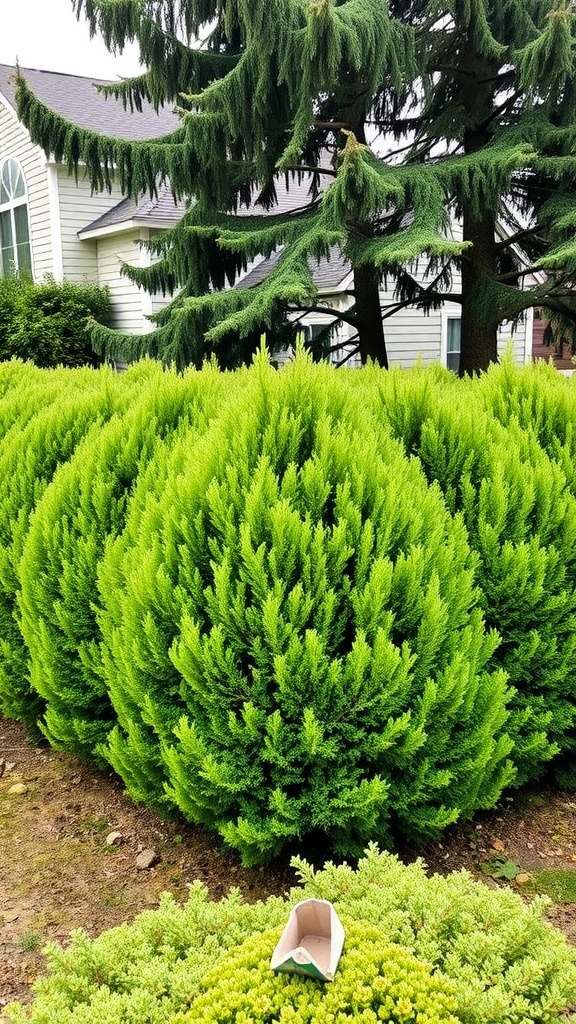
pixel 48 323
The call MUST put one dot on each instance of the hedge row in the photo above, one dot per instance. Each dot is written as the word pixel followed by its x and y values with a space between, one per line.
pixel 296 606
pixel 47 323
pixel 418 950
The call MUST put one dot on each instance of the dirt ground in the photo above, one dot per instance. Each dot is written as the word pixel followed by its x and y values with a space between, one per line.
pixel 60 867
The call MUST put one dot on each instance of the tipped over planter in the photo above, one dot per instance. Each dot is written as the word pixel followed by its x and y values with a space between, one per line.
pixel 311 942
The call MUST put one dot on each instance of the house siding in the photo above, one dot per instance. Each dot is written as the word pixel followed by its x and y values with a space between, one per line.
pixel 15 143
pixel 79 207
pixel 128 300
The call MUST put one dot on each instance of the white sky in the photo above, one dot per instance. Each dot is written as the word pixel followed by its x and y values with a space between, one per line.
pixel 45 34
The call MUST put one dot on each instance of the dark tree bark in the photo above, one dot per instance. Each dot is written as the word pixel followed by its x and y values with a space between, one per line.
pixel 371 339
pixel 479 325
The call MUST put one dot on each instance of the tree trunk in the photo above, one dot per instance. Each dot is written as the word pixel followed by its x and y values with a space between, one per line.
pixel 371 339
pixel 479 325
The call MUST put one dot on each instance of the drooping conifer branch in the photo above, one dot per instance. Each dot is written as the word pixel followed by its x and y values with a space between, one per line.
pixel 474 110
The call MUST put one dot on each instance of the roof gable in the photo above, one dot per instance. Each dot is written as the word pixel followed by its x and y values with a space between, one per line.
pixel 77 99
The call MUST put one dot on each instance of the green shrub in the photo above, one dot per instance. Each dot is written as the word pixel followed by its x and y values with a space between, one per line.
pixel 375 981
pixel 296 650
pixel 452 946
pixel 81 511
pixel 30 455
pixel 521 520
pixel 48 323
pixel 538 398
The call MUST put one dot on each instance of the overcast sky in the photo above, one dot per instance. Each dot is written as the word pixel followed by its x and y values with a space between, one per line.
pixel 45 34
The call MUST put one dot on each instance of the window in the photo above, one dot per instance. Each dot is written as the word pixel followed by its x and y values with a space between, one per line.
pixel 453 343
pixel 318 339
pixel 14 231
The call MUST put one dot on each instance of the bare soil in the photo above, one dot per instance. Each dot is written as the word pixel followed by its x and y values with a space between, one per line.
pixel 57 872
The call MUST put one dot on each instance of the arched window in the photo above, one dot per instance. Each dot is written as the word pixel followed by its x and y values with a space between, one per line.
pixel 14 230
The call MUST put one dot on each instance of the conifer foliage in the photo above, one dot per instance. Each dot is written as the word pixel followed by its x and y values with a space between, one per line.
pixel 521 520
pixel 51 426
pixel 299 606
pixel 309 612
pixel 82 511
pixel 401 115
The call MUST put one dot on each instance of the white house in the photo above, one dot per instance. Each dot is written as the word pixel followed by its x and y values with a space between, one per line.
pixel 52 224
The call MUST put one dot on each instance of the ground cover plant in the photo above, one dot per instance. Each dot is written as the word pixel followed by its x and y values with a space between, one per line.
pixel 417 948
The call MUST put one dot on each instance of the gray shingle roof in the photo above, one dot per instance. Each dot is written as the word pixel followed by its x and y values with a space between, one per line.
pixel 293 196
pixel 328 275
pixel 162 211
pixel 76 99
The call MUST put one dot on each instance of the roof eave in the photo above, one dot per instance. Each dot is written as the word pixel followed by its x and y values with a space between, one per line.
pixel 122 227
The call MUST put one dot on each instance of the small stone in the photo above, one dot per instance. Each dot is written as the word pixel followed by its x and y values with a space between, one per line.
pixel 146 859
pixel 498 845
pixel 18 789
pixel 522 877
pixel 114 839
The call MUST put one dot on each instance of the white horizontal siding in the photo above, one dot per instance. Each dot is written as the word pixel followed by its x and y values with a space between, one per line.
pixel 78 208
pixel 128 301
pixel 157 301
pixel 15 143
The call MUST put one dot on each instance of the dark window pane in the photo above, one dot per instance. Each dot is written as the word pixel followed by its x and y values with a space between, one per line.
pixel 7 244
pixel 453 330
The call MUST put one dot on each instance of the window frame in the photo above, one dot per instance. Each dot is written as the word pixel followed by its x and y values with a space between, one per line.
pixel 447 316
pixel 9 206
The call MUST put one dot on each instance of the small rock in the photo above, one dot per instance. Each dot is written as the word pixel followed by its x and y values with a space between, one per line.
pixel 498 845
pixel 18 789
pixel 114 839
pixel 147 859
pixel 522 877
pixel 9 916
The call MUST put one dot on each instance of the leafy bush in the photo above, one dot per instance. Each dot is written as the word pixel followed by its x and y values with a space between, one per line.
pixel 31 452
pixel 521 520
pixel 82 510
pixel 444 947
pixel 375 981
pixel 294 647
pixel 48 323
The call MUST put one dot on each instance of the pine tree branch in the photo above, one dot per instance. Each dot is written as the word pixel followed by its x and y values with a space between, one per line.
pixel 498 111
pixel 524 233
pixel 310 169
pixel 338 314
pixel 328 126
pixel 514 274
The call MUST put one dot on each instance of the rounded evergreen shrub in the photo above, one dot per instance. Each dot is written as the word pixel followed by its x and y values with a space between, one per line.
pixel 48 323
pixel 294 644
pixel 77 401
pixel 82 510
pixel 416 948
pixel 520 516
